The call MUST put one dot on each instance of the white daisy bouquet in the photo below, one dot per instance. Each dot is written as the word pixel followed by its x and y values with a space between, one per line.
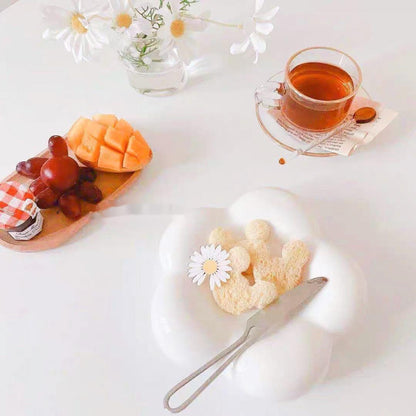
pixel 146 31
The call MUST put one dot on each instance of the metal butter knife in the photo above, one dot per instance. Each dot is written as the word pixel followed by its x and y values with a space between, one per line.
pixel 264 321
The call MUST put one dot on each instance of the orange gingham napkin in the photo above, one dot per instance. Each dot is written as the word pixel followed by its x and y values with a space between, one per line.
pixel 13 202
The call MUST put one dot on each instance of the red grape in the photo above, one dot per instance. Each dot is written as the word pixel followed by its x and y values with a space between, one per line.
pixel 90 193
pixel 60 173
pixel 57 146
pixel 47 198
pixel 87 174
pixel 70 205
pixel 37 186
pixel 31 167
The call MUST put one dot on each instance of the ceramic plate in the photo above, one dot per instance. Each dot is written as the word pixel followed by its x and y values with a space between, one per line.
pixel 190 328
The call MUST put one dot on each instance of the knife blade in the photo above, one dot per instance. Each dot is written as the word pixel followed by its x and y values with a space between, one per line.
pixel 271 318
pixel 287 306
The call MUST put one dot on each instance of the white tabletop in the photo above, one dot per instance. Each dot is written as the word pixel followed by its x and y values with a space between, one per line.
pixel 75 335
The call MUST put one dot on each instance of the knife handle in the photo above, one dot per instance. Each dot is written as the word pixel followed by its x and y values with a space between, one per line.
pixel 240 345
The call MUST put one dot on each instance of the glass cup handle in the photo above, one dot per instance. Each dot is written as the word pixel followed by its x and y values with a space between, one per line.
pixel 269 95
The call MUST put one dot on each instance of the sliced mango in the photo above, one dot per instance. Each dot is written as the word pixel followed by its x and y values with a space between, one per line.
pixel 77 131
pixel 140 149
pixel 96 130
pixel 89 149
pixel 124 126
pixel 109 144
pixel 108 120
pixel 131 162
pixel 110 159
pixel 117 139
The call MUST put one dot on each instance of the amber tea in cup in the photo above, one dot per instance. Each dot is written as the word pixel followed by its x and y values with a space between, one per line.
pixel 319 86
pixel 319 81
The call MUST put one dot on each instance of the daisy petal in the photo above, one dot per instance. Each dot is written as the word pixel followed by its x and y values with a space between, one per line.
pixel 223 256
pixel 223 276
pixel 204 252
pixel 99 35
pixel 259 5
pixel 237 48
pixel 197 24
pixel 210 252
pixel 194 265
pixel 196 257
pixel 48 34
pixel 201 279
pixel 76 48
pixel 211 284
pixel 218 251
pixel 92 40
pixel 259 44
pixel 68 42
pixel 264 28
pixel 193 273
pixel 264 17
pixel 63 33
pixel 256 58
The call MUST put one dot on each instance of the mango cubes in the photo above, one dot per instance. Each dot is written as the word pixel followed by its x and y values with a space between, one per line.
pixel 109 144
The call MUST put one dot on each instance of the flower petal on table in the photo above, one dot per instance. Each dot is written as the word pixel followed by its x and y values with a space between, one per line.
pixel 259 44
pixel 264 28
pixel 237 48
pixel 259 5
pixel 264 17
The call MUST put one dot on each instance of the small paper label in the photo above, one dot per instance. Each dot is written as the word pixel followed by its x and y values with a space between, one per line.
pixel 30 231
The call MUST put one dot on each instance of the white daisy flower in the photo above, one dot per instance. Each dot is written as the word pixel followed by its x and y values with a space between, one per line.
pixel 81 33
pixel 124 20
pixel 258 27
pixel 177 29
pixel 210 261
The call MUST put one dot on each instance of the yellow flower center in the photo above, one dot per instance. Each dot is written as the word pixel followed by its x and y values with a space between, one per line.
pixel 177 28
pixel 210 267
pixel 123 20
pixel 77 25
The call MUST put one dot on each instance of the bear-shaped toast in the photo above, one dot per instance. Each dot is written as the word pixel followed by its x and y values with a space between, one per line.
pixel 256 279
pixel 236 295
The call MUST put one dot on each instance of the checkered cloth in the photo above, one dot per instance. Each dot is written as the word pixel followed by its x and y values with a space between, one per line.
pixel 13 196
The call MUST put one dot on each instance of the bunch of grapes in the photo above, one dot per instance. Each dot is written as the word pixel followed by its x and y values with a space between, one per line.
pixel 59 180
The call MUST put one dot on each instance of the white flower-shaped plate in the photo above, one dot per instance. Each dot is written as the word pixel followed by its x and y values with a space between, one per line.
pixel 190 328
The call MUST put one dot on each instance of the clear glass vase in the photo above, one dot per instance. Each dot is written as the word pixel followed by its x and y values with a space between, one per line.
pixel 163 76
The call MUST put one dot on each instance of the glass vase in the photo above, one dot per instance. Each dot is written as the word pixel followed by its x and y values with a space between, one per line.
pixel 163 76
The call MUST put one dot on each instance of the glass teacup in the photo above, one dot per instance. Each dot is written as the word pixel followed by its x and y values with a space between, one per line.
pixel 319 86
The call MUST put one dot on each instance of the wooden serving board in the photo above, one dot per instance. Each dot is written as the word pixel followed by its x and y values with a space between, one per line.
pixel 57 228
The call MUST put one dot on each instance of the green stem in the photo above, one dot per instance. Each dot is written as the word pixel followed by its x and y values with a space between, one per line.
pixel 215 22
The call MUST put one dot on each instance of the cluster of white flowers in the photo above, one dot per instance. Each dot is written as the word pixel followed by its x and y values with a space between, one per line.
pixel 144 29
